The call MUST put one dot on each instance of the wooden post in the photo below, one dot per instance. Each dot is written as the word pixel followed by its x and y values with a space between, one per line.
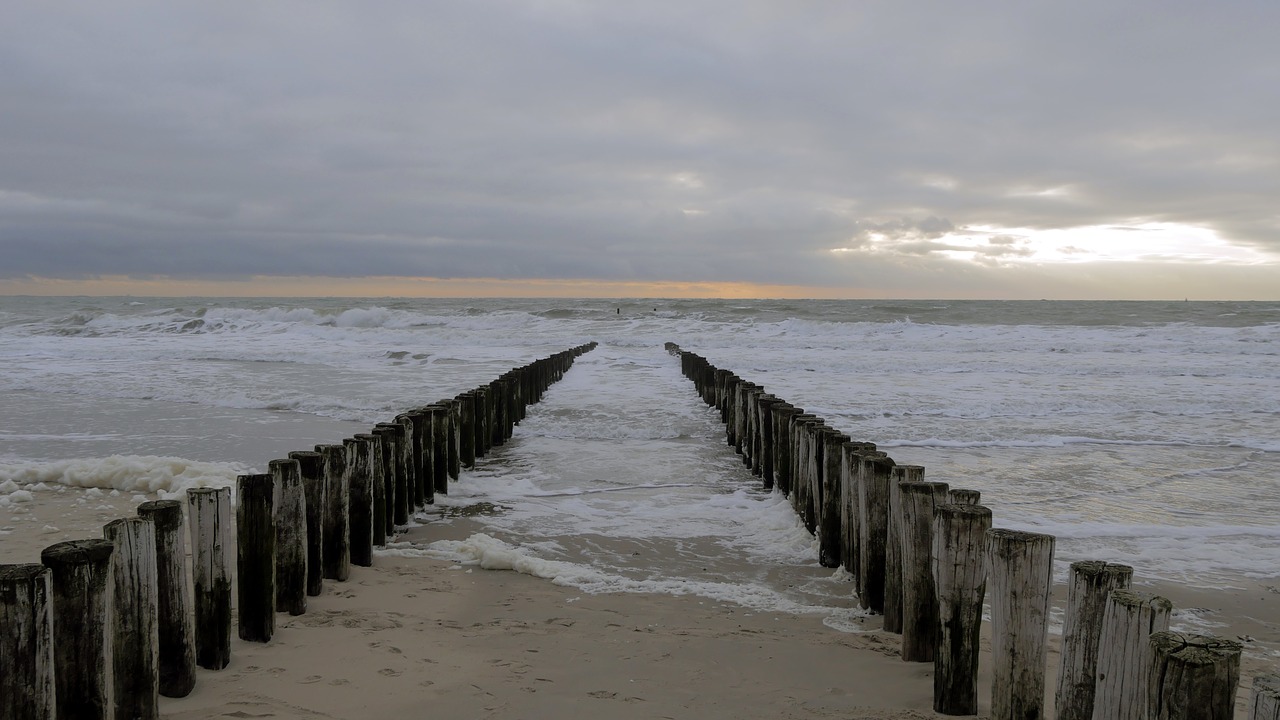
pixel 176 634
pixel 134 640
pixel 209 510
pixel 893 546
pixel 311 470
pixel 959 572
pixel 360 499
pixel 455 437
pixel 423 464
pixel 480 419
pixel 81 577
pixel 440 450
pixel 27 690
pixel 467 431
pixel 960 496
pixel 1194 677
pixel 850 476
pixel 919 594
pixel 377 488
pixel 388 452
pixel 256 557
pixel 829 527
pixel 1020 571
pixel 1091 582
pixel 405 477
pixel 873 528
pixel 1266 698
pixel 1124 653
pixel 291 536
pixel 336 555
pixel 781 415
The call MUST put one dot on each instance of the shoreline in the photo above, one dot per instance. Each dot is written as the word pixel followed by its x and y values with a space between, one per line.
pixel 417 632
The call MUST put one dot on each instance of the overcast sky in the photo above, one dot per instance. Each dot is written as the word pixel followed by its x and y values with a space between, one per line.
pixel 911 149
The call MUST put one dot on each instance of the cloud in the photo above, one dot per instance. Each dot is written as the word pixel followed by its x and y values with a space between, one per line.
pixel 717 141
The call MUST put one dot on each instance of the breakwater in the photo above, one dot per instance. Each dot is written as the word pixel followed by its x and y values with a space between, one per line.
pixel 927 557
pixel 101 628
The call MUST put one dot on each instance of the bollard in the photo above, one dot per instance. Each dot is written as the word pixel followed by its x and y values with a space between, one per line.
pixel 1193 677
pixel 209 510
pixel 406 478
pixel 959 573
pixel 256 557
pixel 311 470
pixel 177 652
pixel 377 490
pixel 134 639
pixel 1020 574
pixel 81 577
pixel 919 594
pixel 1091 583
pixel 27 690
pixel 1124 653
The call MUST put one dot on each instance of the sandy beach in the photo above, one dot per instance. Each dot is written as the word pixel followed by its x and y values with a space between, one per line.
pixel 416 635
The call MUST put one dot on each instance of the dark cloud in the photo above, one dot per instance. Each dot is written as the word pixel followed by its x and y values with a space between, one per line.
pixel 644 141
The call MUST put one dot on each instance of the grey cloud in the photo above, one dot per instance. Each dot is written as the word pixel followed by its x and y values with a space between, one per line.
pixel 649 141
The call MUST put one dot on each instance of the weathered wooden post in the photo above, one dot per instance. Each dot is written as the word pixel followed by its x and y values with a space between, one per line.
pixel 377 490
pixel 134 640
pixel 291 536
pixel 406 478
pixel 919 594
pixel 1124 653
pixel 209 510
pixel 1194 677
pixel 467 431
pixel 873 528
pixel 81 575
pixel 27 690
pixel 782 414
pixel 766 406
pixel 480 419
pixel 336 555
pixel 959 572
pixel 455 437
pixel 893 546
pixel 177 652
pixel 315 494
pixel 256 557
pixel 961 496
pixel 388 435
pixel 360 499
pixel 1020 573
pixel 439 450
pixel 830 529
pixel 850 476
pixel 423 460
pixel 1091 582
pixel 1266 698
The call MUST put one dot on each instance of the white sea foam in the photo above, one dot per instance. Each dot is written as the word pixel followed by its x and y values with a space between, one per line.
pixel 166 476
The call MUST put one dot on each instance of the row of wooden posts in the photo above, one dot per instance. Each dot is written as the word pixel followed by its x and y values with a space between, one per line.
pixel 925 555
pixel 101 628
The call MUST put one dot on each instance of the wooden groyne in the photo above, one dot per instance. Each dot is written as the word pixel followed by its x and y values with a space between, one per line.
pixel 102 628
pixel 926 556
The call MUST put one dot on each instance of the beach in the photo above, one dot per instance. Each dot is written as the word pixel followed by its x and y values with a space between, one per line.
pixel 646 551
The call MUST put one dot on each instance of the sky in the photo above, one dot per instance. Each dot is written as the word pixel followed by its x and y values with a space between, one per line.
pixel 1090 149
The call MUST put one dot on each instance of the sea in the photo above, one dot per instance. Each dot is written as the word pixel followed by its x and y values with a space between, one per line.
pixel 1146 433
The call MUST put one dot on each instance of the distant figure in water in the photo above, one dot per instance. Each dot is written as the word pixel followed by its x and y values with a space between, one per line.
pixel 619 311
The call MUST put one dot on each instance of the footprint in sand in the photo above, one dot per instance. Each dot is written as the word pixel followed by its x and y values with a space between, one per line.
pixel 310 679
pixel 340 681
pixel 389 672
